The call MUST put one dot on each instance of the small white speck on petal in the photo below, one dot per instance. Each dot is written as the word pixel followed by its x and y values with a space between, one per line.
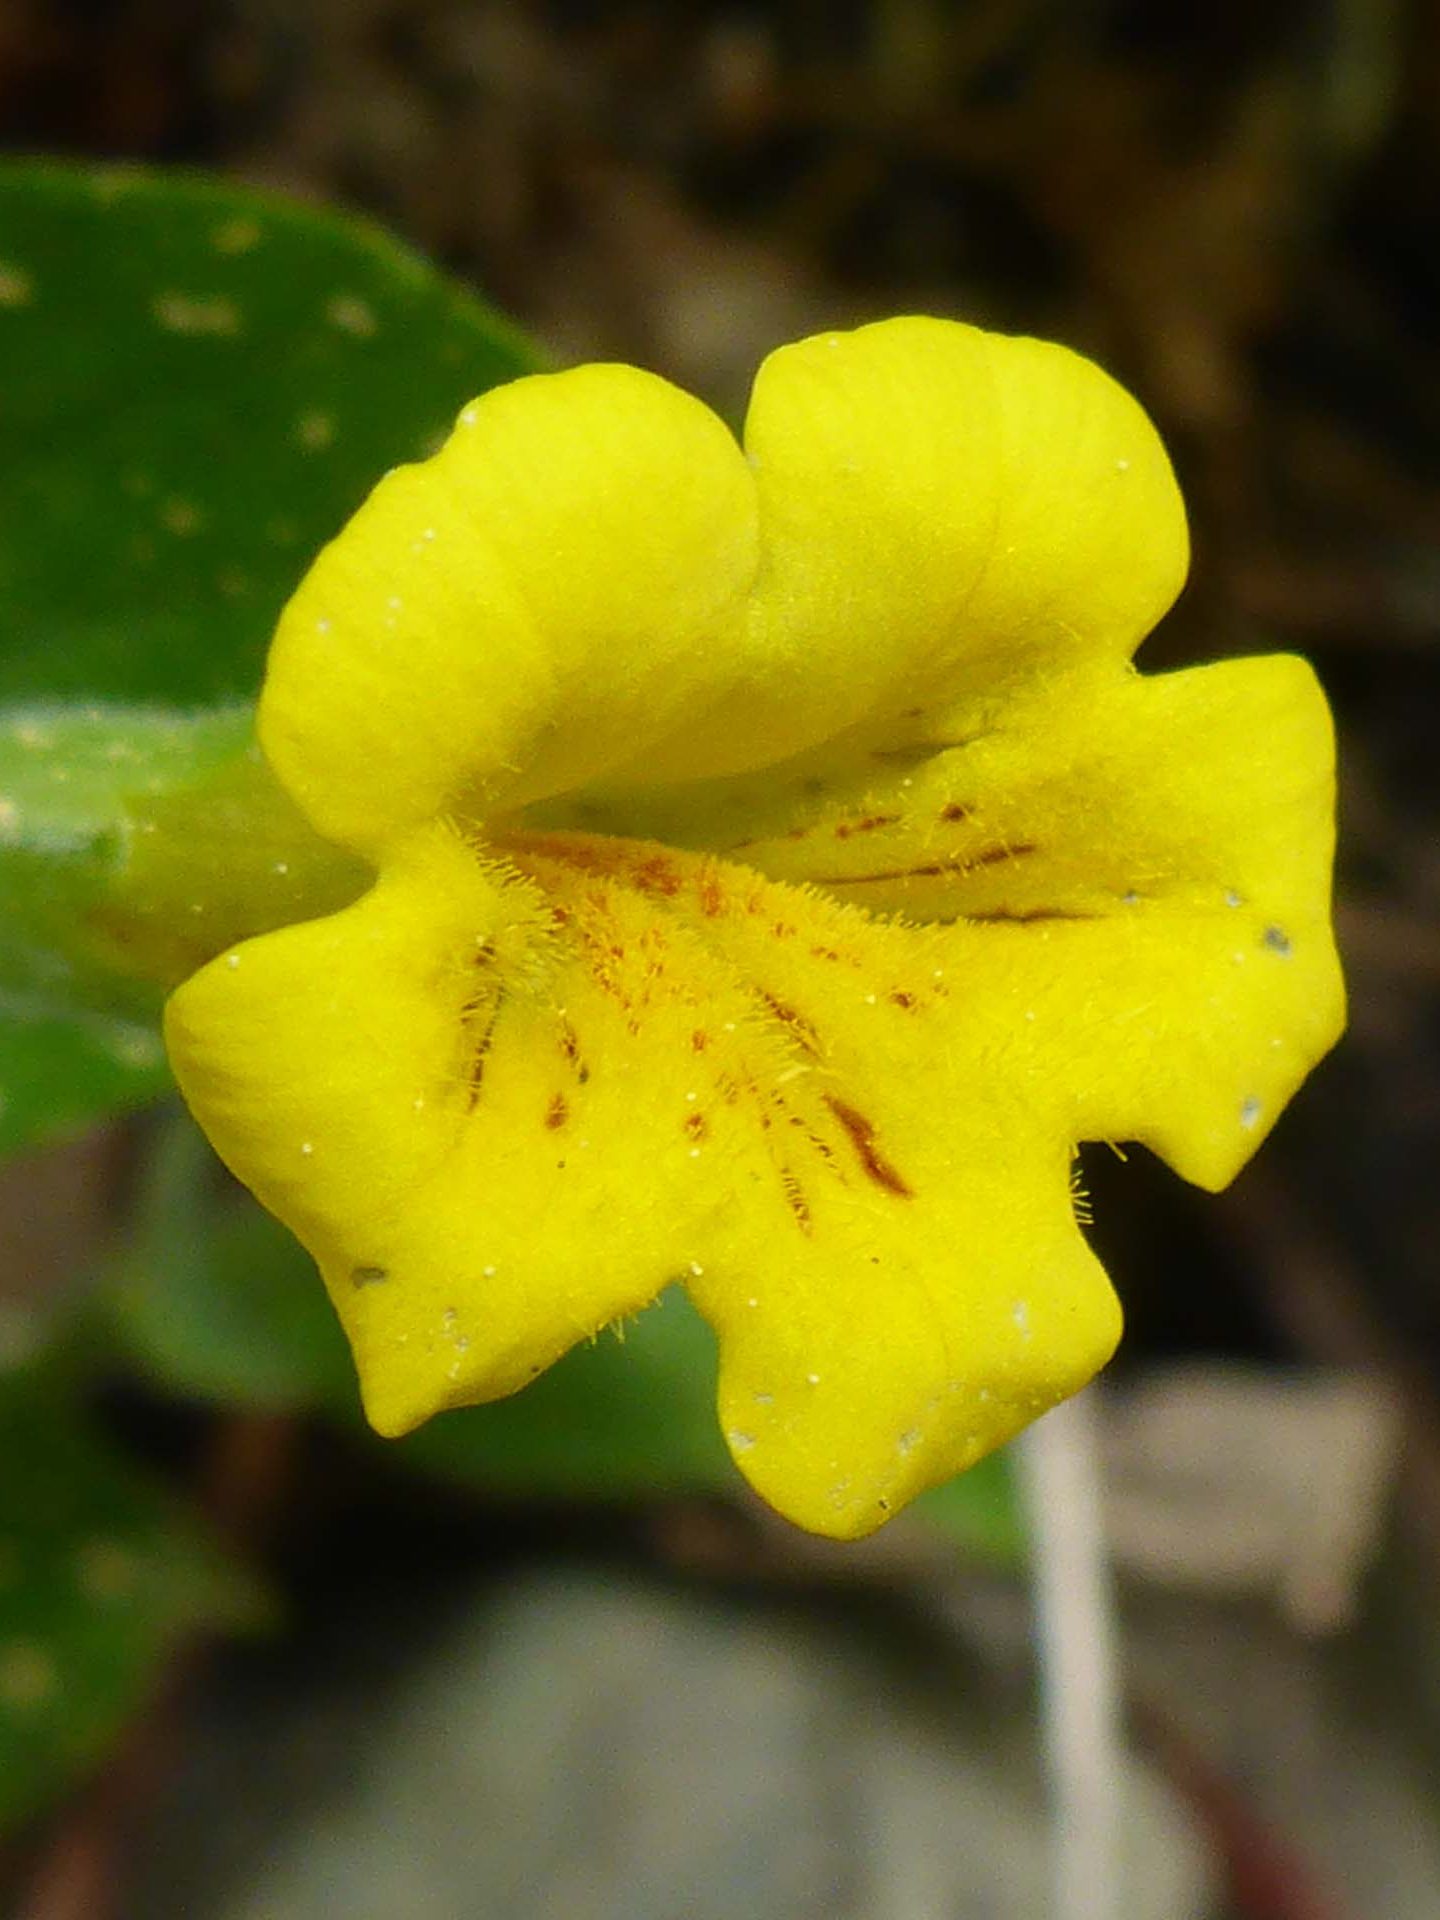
pixel 1122 466
pixel 307 1147
pixel 696 1268
pixel 489 1272
pixel 282 867
pixel 322 626
pixel 232 960
pixel 1250 1111
pixel 812 1379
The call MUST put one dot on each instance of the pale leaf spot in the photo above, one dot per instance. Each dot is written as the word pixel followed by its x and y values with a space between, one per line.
pixel 315 431
pixel 17 287
pixel 352 315
pixel 191 313
pixel 181 517
pixel 236 236
pixel 28 1675
pixel 106 1569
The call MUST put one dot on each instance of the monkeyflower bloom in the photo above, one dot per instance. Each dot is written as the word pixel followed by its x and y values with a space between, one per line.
pixel 779 869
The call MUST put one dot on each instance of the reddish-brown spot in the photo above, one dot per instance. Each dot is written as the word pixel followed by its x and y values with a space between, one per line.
pixel 905 1000
pixel 795 1200
pixel 657 875
pixel 991 857
pixel 783 931
pixel 712 897
pixel 795 833
pixel 862 1137
pixel 481 1045
pixel 954 811
pixel 569 1042
pixel 795 1024
pixel 696 1125
pixel 870 824
pixel 699 1040
pixel 558 1111
pixel 823 953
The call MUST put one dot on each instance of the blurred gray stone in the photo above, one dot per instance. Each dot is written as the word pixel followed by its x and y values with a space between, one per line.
pixel 581 1749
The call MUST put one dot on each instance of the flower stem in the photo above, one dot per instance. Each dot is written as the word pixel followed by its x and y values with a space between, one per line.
pixel 1075 1631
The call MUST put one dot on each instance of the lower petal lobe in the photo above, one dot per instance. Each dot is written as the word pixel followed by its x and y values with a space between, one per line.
pixel 522 1086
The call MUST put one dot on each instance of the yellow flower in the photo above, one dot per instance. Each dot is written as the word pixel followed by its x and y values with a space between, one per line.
pixel 780 869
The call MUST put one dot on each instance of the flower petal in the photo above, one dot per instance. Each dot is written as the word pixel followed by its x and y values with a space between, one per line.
pixel 1146 860
pixel 505 617
pixel 516 1091
pixel 588 581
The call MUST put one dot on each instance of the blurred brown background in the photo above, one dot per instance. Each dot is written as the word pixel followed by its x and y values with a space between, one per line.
pixel 1235 206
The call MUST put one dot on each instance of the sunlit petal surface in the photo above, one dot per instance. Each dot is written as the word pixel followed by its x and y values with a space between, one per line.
pixel 781 868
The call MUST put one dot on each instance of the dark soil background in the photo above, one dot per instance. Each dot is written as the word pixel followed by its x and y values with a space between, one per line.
pixel 1236 207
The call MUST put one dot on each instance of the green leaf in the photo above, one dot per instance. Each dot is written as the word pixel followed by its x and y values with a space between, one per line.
pixel 99 1574
pixel 630 1414
pixel 981 1512
pixel 215 1299
pixel 198 385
